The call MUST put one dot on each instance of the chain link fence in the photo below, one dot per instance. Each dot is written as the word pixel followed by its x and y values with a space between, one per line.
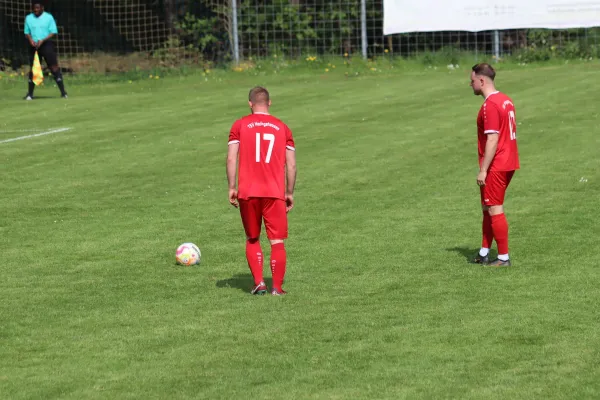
pixel 140 33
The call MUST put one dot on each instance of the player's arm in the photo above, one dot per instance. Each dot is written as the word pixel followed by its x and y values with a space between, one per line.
pixel 30 39
pixel 41 42
pixel 232 157
pixel 290 172
pixel 491 126
pixel 28 34
pixel 53 31
pixel 231 163
pixel 490 152
pixel 50 36
pixel 290 168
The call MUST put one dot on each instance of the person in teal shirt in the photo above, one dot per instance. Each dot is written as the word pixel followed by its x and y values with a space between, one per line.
pixel 40 29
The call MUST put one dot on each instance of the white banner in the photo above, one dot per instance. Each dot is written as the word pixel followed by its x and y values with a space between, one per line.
pixel 401 16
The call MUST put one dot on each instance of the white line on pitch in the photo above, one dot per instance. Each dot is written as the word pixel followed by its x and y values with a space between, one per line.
pixel 20 130
pixel 36 135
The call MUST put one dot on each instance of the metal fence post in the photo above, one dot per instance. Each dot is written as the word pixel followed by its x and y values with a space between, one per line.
pixel 497 45
pixel 234 24
pixel 363 27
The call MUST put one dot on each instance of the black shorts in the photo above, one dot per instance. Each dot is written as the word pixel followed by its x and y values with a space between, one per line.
pixel 47 52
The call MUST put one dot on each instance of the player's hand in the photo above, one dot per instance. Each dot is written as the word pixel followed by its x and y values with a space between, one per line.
pixel 481 178
pixel 32 43
pixel 233 197
pixel 289 202
pixel 39 44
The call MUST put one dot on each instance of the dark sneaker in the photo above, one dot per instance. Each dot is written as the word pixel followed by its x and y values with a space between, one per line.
pixel 260 289
pixel 499 263
pixel 479 259
pixel 279 292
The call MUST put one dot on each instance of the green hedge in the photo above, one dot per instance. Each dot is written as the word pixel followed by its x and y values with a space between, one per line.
pixel 294 28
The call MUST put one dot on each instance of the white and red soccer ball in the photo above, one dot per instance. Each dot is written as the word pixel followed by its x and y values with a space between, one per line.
pixel 188 254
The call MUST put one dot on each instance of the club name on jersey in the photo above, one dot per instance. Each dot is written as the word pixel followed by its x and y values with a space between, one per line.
pixel 263 124
pixel 506 103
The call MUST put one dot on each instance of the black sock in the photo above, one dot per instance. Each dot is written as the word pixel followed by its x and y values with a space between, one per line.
pixel 31 85
pixel 59 81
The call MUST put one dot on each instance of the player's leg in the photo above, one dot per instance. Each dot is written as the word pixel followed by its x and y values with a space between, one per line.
pixel 49 53
pixel 251 219
pixel 276 225
pixel 486 230
pixel 30 84
pixel 278 266
pixel 499 182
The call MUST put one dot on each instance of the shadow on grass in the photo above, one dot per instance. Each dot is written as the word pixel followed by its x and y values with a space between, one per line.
pixel 36 97
pixel 243 282
pixel 467 252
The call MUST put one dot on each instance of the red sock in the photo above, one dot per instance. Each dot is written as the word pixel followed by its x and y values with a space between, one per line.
pixel 254 255
pixel 278 260
pixel 488 233
pixel 500 228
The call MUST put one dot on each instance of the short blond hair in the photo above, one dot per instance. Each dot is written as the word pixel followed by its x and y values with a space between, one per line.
pixel 259 95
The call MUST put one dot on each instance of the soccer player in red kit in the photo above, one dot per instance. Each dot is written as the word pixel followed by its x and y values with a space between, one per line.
pixel 498 161
pixel 266 151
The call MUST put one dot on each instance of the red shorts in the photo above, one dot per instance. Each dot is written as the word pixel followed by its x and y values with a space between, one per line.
pixel 255 209
pixel 496 183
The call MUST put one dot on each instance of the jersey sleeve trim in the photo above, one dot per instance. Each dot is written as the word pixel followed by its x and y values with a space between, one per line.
pixel 491 131
pixel 233 142
pixel 290 148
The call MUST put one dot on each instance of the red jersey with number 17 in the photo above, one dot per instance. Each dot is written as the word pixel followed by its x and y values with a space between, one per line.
pixel 263 141
pixel 497 116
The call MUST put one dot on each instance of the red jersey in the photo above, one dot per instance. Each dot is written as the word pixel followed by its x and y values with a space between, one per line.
pixel 263 141
pixel 497 116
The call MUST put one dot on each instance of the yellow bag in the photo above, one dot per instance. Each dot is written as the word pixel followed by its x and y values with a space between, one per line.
pixel 38 74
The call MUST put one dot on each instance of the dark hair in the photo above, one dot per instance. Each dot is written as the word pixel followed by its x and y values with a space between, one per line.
pixel 484 69
pixel 259 95
pixel 40 2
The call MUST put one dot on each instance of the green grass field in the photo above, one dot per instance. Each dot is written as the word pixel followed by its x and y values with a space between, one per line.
pixel 382 302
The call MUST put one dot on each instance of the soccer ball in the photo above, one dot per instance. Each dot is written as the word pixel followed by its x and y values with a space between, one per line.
pixel 188 254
